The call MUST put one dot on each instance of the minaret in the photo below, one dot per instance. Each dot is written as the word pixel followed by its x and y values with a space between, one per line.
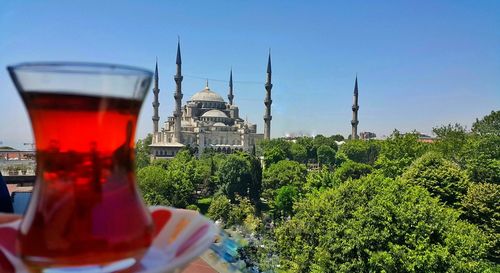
pixel 268 101
pixel 178 95
pixel 230 96
pixel 355 108
pixel 156 103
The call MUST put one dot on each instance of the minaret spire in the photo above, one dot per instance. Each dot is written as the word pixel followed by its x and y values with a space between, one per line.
pixel 268 101
pixel 230 96
pixel 178 60
pixel 178 95
pixel 355 108
pixel 156 103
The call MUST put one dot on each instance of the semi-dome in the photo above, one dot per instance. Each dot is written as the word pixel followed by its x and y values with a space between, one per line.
pixel 219 124
pixel 207 95
pixel 214 114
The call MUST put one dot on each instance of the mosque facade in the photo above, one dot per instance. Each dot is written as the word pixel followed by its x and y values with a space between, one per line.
pixel 206 120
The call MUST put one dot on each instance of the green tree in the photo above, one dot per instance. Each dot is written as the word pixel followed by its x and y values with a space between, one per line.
pixel 482 158
pixel 274 155
pixel 320 140
pixel 351 170
pixel 361 151
pixel 142 151
pixel 376 224
pixel 154 185
pixel 161 162
pixel 308 143
pixel 450 141
pixel 299 153
pixel 193 207
pixel 281 144
pixel 442 178
pixel 398 152
pixel 481 206
pixel 182 189
pixel 207 167
pixel 255 183
pixel 235 176
pixel 319 179
pixel 488 125
pixel 283 202
pixel 326 155
pixel 283 173
pixel 240 211
pixel 182 178
pixel 219 208
pixel 338 137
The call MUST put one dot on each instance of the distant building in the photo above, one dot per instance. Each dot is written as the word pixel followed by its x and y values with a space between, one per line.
pixel 425 138
pixel 16 162
pixel 205 121
pixel 13 154
pixel 367 135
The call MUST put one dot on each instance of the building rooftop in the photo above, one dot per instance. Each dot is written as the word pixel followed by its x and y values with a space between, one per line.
pixel 207 95
pixel 214 113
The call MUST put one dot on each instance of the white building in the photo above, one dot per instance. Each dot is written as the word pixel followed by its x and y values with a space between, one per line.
pixel 206 121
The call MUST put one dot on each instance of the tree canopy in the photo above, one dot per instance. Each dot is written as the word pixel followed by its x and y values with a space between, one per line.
pixel 326 155
pixel 235 176
pixel 442 178
pixel 351 170
pixel 142 151
pixel 283 202
pixel 376 224
pixel 398 152
pixel 283 173
pixel 361 151
pixel 488 125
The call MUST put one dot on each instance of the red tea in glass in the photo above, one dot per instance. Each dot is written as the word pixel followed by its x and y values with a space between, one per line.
pixel 85 208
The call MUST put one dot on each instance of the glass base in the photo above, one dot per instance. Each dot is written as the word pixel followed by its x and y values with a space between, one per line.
pixel 96 268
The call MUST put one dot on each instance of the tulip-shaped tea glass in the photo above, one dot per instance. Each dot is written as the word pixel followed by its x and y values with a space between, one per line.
pixel 85 209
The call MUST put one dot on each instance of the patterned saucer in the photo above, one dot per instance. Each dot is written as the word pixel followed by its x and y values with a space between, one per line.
pixel 182 236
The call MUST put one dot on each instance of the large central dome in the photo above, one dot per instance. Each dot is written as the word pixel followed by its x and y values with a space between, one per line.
pixel 207 95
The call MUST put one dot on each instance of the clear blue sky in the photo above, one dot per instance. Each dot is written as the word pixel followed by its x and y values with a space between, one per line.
pixel 420 63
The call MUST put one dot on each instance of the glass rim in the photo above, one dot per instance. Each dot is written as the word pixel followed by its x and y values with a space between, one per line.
pixel 79 68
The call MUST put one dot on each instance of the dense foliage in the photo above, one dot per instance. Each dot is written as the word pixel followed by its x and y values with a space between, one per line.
pixel 361 151
pixel 319 204
pixel 481 206
pixel 377 224
pixel 398 152
pixel 142 151
pixel 442 178
pixel 351 170
pixel 283 173
pixel 488 125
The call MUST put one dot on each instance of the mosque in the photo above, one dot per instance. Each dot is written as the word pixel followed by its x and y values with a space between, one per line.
pixel 206 120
